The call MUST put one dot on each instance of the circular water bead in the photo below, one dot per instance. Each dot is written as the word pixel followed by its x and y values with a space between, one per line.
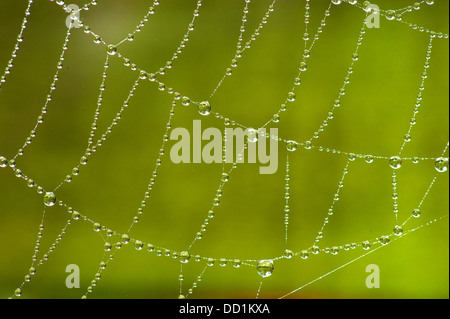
pixel 334 250
pixel 112 49
pixel 264 268
pixel 210 262
pixel 304 254
pixel 384 240
pixel 407 138
pixel 429 2
pixel 3 161
pixel 204 108
pixel 395 162
pixel 441 164
pixel 303 66
pixel 225 177
pixel 107 246
pixel 291 97
pixel 288 254
pixel 76 215
pixel 315 249
pixel 236 263
pixel 184 256
pixel 252 135
pixel 368 158
pixel 97 227
pixel 49 199
pixel 275 118
pixel 18 292
pixel 416 213
pixel 125 239
pixel 336 2
pixel 365 245
pixel 291 145
pixel 138 245
pixel 390 14
pixel 398 230
pixel 185 101
pixel 222 262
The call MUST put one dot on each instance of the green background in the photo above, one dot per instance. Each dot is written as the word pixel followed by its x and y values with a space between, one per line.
pixel 373 118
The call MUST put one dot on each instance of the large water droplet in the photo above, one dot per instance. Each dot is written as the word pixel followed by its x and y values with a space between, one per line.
pixel 265 268
pixel 204 108
pixel 395 162
pixel 291 145
pixel 49 199
pixel 184 257
pixel 441 164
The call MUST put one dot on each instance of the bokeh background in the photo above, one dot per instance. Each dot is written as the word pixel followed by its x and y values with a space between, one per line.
pixel 248 224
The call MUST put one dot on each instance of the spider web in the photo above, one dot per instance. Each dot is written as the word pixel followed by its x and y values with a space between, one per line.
pixel 86 114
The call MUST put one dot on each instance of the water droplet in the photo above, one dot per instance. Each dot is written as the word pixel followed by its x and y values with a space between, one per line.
pixel 76 215
pixel 390 14
pixel 303 66
pixel 222 262
pixel 336 2
pixel 384 240
pixel 49 199
pixel 288 254
pixel 185 101
pixel 97 40
pixel 275 118
pixel 125 239
pixel 3 161
pixel 291 145
pixel 97 227
pixel 398 230
pixel 210 262
pixel 112 49
pixel 365 245
pixel 308 145
pixel 265 268
pixel 334 250
pixel 138 245
pixel 291 97
pixel 441 164
pixel 395 162
pixel 107 246
pixel 184 257
pixel 368 158
pixel 252 135
pixel 407 138
pixel 315 249
pixel 18 292
pixel 304 254
pixel 236 263
pixel 416 213
pixel 355 56
pixel 204 108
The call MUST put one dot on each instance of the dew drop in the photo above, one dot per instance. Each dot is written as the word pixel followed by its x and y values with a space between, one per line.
pixel 112 49
pixel 441 164
pixel 125 239
pixel 3 161
pixel 236 263
pixel 365 245
pixel 384 240
pixel 49 199
pixel 138 245
pixel 107 246
pixel 252 135
pixel 184 257
pixel 395 162
pixel 291 145
pixel 416 213
pixel 390 14
pixel 18 292
pixel 288 254
pixel 291 97
pixel 222 262
pixel 303 66
pixel 315 249
pixel 398 230
pixel 368 159
pixel 185 101
pixel 265 268
pixel 204 108
pixel 304 254
pixel 97 227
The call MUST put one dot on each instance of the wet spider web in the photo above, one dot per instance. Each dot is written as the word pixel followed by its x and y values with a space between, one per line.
pixel 363 149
